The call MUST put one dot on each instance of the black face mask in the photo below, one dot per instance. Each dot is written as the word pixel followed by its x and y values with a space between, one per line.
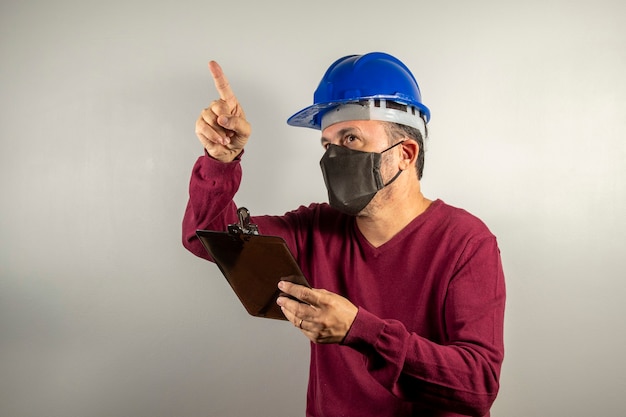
pixel 352 177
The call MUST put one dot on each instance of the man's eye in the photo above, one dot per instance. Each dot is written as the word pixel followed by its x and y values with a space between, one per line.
pixel 350 138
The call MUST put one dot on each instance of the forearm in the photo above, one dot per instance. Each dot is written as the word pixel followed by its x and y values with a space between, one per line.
pixel 212 187
pixel 456 377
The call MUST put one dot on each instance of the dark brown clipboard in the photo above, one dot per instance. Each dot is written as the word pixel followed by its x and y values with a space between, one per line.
pixel 253 264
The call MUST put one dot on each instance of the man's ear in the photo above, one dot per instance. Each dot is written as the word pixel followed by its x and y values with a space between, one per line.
pixel 410 149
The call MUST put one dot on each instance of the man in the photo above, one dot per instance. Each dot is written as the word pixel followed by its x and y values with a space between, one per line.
pixel 406 311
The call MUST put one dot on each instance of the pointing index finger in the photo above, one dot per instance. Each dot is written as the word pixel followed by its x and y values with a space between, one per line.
pixel 222 85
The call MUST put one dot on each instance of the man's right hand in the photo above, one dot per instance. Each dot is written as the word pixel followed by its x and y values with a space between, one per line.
pixel 222 127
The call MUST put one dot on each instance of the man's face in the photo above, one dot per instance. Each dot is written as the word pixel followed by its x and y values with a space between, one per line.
pixel 360 135
pixel 367 136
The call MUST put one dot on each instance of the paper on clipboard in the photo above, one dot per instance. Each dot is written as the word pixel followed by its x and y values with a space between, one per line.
pixel 253 264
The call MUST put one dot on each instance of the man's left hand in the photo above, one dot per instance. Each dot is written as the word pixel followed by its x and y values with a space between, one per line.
pixel 323 316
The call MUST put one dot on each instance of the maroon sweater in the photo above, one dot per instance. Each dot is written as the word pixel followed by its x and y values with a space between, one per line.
pixel 427 339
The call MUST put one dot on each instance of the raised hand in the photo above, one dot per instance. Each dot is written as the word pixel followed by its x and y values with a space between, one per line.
pixel 222 127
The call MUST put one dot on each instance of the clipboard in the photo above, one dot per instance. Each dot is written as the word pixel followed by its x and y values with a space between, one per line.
pixel 253 264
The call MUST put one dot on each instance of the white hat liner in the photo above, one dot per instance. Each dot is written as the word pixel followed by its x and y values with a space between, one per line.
pixel 375 109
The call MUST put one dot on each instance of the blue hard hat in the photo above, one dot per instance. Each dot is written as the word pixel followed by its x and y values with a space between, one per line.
pixel 355 78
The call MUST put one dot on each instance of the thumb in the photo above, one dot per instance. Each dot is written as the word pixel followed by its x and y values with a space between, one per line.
pixel 224 121
pixel 237 128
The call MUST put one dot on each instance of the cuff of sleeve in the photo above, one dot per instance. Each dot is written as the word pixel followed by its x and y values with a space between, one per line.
pixel 237 158
pixel 208 167
pixel 365 330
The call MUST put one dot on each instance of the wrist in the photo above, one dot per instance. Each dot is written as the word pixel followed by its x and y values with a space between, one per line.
pixel 225 156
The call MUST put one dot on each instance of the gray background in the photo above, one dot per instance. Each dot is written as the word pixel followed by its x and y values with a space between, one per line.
pixel 103 313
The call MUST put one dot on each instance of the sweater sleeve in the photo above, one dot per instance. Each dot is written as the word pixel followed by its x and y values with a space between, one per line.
pixel 212 187
pixel 462 373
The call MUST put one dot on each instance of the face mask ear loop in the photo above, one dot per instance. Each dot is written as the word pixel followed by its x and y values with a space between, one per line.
pixel 392 146
pixel 400 170
pixel 394 177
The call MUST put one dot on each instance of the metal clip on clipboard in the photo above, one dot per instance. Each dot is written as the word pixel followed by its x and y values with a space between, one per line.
pixel 253 264
pixel 244 226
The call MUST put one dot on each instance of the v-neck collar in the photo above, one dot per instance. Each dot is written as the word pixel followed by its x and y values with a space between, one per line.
pixel 370 251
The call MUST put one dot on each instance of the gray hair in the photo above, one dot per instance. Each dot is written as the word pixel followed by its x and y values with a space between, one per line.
pixel 397 131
